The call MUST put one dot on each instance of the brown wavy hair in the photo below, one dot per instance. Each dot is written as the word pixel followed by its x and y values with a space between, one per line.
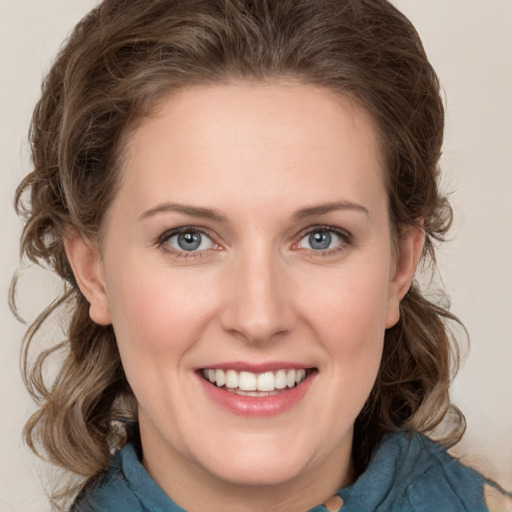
pixel 119 61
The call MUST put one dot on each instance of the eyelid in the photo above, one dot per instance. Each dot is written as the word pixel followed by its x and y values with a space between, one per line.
pixel 325 227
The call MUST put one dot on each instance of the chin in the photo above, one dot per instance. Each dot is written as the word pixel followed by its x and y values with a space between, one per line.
pixel 259 466
pixel 269 473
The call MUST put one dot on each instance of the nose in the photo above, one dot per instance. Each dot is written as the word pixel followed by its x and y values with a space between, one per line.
pixel 258 305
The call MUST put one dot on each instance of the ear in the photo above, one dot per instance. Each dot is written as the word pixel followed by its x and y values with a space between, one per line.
pixel 85 260
pixel 409 250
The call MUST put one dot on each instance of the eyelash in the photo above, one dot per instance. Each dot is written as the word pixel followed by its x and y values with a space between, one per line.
pixel 345 240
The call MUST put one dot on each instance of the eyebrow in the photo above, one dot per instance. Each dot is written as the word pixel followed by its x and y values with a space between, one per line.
pixel 207 213
pixel 327 208
pixel 191 211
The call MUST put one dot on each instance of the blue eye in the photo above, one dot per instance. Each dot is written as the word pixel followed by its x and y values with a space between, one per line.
pixel 189 240
pixel 321 240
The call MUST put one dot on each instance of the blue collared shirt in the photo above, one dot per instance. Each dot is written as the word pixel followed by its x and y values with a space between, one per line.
pixel 408 473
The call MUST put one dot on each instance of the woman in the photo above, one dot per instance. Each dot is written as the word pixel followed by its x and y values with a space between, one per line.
pixel 237 195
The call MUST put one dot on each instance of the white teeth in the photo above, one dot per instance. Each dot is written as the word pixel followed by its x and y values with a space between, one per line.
pixel 290 378
pixel 280 379
pixel 231 379
pixel 247 381
pixel 250 384
pixel 300 375
pixel 220 378
pixel 266 381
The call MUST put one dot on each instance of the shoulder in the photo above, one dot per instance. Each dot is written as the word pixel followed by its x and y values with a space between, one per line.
pixel 125 487
pixel 411 473
pixel 438 479
pixel 111 492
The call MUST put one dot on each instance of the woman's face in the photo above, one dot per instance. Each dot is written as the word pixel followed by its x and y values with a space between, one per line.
pixel 250 242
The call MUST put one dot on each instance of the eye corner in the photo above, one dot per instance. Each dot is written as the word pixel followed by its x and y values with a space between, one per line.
pixel 296 245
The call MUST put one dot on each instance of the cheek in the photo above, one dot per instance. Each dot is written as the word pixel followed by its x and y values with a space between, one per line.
pixel 348 315
pixel 159 317
pixel 350 305
pixel 354 336
pixel 157 312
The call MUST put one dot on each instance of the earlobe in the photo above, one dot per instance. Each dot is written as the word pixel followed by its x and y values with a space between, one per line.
pixel 410 248
pixel 85 261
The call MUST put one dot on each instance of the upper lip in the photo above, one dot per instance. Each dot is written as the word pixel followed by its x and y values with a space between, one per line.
pixel 243 366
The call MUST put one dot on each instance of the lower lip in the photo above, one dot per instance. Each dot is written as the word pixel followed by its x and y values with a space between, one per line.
pixel 271 405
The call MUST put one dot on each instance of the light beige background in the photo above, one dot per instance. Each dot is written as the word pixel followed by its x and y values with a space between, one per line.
pixel 470 44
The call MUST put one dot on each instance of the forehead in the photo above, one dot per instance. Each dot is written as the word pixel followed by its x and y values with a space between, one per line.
pixel 282 139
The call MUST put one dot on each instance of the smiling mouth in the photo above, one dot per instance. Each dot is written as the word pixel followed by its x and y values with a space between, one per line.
pixel 246 383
